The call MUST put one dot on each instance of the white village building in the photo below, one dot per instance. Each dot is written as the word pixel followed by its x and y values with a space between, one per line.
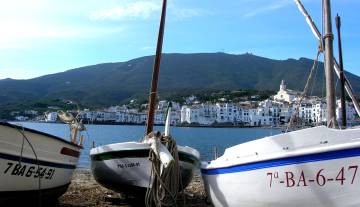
pixel 350 112
pixel 285 94
pixel 51 116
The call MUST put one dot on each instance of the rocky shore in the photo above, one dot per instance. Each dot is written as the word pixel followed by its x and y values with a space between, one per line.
pixel 84 191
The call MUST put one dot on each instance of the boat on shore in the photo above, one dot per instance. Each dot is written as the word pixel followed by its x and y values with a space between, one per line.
pixel 35 164
pixel 126 168
pixel 155 168
pixel 315 167
pixel 310 167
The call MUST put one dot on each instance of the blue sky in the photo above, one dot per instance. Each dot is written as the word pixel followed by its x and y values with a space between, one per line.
pixel 40 37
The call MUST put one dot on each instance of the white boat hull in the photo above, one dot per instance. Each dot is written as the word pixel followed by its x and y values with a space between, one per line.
pixel 125 167
pixel 292 174
pixel 24 173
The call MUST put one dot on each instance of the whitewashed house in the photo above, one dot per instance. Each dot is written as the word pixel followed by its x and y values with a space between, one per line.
pixel 120 117
pixel 305 111
pixel 175 118
pixel 105 116
pixel 207 114
pixel 162 105
pixel 159 117
pixel 246 119
pixel 190 114
pixel 142 118
pixel 226 112
pixel 134 118
pixel 21 118
pixel 285 113
pixel 51 117
pixel 318 114
pixel 350 112
pixel 88 115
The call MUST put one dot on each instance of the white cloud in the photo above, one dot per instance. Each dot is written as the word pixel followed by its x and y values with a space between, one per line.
pixel 180 14
pixel 133 10
pixel 144 10
pixel 265 6
pixel 27 24
pixel 22 34
pixel 147 48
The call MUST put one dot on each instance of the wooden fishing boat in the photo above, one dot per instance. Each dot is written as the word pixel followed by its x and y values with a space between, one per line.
pixel 315 167
pixel 34 163
pixel 310 167
pixel 126 167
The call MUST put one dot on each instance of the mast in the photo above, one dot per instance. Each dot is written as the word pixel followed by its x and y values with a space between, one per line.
pixel 329 65
pixel 342 78
pixel 317 34
pixel 155 75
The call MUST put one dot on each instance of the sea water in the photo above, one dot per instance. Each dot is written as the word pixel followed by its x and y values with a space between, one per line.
pixel 202 139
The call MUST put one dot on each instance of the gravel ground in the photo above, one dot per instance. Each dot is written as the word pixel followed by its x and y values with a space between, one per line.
pixel 84 191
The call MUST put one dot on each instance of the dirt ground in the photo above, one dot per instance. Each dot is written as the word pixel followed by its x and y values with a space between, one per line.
pixel 84 191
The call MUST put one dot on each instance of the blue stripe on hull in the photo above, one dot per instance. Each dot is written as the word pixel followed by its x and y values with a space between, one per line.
pixel 355 152
pixel 35 162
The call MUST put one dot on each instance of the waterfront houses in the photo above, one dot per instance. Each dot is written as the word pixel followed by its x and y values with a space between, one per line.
pixel 125 115
pixel 275 111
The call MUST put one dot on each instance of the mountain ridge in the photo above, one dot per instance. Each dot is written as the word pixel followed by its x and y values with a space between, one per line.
pixel 111 83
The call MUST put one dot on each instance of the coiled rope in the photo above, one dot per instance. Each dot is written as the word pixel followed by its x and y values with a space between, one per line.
pixel 164 183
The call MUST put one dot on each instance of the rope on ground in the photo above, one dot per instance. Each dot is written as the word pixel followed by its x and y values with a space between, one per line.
pixel 305 91
pixel 164 183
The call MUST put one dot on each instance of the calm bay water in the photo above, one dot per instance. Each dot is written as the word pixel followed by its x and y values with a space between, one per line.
pixel 202 139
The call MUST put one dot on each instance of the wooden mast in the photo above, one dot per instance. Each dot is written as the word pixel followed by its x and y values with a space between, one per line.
pixel 155 75
pixel 329 65
pixel 317 34
pixel 342 78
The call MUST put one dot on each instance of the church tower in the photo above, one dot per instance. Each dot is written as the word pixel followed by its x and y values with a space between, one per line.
pixel 282 86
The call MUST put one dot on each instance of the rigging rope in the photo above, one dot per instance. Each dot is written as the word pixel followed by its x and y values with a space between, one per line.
pixel 313 85
pixel 164 183
pixel 22 132
pixel 305 91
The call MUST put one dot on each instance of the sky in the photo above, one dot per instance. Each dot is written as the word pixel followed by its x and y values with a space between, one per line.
pixel 41 37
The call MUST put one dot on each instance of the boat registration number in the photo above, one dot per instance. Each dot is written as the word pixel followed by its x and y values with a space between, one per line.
pixel 128 165
pixel 343 176
pixel 17 169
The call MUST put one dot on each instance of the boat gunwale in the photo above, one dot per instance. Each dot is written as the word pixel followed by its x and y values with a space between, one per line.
pixel 143 146
pixel 347 146
pixel 14 126
pixel 191 155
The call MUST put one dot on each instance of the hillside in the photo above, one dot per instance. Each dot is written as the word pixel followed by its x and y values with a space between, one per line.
pixel 111 83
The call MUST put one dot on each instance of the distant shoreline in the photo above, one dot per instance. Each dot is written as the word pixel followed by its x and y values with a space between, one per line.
pixel 180 126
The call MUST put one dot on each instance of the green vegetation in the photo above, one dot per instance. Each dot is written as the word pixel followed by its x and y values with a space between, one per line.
pixel 219 95
pixel 9 111
pixel 207 75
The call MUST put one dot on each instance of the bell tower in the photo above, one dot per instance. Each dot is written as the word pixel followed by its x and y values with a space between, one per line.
pixel 282 85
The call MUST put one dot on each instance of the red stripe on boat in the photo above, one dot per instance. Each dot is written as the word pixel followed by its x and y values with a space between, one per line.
pixel 70 152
